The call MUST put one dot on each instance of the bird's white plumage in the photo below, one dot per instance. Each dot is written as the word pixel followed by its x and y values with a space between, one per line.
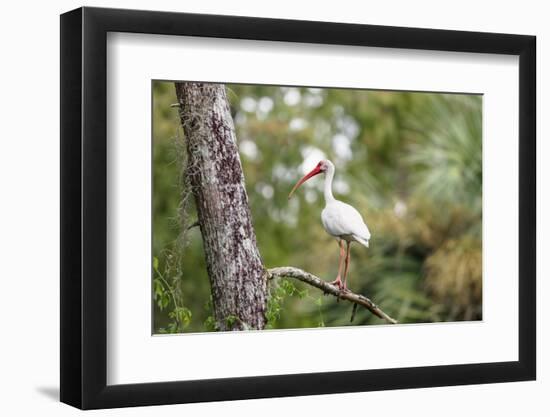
pixel 339 219
pixel 343 221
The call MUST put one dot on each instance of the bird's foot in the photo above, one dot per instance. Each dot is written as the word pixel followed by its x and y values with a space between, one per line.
pixel 338 282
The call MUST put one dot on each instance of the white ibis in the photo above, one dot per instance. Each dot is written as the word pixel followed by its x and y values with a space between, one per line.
pixel 339 220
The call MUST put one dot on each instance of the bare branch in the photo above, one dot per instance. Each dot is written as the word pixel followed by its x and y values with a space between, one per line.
pixel 194 224
pixel 327 288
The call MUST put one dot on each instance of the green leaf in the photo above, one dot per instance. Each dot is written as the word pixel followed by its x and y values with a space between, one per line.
pixel 157 288
pixel 210 324
pixel 231 320
pixel 182 315
pixel 164 300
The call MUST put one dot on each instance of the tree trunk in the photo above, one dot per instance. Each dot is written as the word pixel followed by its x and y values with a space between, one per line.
pixel 237 277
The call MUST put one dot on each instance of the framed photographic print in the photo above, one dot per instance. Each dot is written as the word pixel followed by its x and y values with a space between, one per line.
pixel 257 208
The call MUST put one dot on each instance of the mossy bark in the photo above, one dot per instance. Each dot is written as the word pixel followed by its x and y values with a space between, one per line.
pixel 237 277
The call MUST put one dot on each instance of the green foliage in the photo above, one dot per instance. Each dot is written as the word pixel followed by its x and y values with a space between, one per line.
pixel 281 290
pixel 409 162
pixel 177 257
pixel 231 320
pixel 446 157
pixel 278 292
pixel 181 315
pixel 166 295
pixel 210 324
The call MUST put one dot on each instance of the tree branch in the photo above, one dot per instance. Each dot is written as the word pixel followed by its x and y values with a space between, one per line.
pixel 327 288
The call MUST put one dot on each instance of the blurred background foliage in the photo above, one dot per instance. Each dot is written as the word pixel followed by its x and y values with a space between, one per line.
pixel 410 162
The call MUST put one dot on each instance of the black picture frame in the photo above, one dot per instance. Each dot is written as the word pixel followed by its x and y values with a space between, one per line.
pixel 84 207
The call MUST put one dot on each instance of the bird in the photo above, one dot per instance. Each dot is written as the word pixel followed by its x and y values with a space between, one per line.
pixel 339 219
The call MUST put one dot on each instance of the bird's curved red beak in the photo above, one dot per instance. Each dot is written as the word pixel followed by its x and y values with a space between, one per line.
pixel 312 173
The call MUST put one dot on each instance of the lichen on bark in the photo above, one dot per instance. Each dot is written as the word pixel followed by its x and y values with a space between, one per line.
pixel 237 277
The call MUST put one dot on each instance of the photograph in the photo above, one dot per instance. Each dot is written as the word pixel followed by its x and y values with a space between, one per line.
pixel 265 206
pixel 299 207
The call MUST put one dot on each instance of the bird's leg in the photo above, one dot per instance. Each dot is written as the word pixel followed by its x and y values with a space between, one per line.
pixel 346 267
pixel 338 280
